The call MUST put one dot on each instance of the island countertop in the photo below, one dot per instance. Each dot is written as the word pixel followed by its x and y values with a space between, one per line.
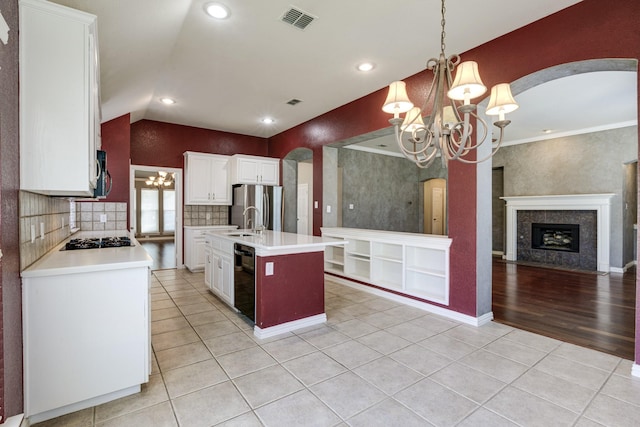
pixel 269 243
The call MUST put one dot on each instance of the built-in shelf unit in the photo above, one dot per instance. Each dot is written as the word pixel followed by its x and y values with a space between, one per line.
pixel 409 263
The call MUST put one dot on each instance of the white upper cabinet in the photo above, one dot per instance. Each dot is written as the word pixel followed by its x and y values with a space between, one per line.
pixel 59 99
pixel 207 179
pixel 255 170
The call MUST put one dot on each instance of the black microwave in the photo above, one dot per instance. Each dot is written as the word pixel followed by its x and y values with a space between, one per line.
pixel 104 181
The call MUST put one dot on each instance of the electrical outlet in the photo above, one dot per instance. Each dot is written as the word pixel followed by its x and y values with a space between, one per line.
pixel 268 269
pixel 103 217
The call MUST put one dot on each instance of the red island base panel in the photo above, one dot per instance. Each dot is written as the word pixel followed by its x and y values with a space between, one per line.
pixel 295 290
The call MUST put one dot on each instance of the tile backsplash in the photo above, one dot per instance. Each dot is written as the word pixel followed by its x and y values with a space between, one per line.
pixel 41 215
pixel 99 216
pixel 206 215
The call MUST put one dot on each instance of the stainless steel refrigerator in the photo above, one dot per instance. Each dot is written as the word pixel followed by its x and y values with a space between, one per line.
pixel 257 205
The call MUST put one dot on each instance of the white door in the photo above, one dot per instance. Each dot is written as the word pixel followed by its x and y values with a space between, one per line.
pixel 435 206
pixel 303 209
pixel 437 211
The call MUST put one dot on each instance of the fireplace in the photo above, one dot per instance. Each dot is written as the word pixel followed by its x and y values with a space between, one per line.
pixel 594 239
pixel 555 237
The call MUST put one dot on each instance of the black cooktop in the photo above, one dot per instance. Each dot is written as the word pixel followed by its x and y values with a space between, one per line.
pixel 97 243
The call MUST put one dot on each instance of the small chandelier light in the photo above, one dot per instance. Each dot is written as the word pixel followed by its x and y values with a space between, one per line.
pixel 163 179
pixel 448 131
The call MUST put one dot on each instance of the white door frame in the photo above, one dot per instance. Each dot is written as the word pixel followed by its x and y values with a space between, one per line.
pixel 305 211
pixel 178 187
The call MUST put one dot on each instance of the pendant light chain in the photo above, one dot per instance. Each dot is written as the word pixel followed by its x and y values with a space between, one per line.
pixel 442 33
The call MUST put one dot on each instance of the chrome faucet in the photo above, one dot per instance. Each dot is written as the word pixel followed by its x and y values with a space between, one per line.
pixel 254 227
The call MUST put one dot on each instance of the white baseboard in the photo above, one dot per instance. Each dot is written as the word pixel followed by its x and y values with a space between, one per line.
pixel 454 315
pixel 15 421
pixel 289 326
pixel 623 269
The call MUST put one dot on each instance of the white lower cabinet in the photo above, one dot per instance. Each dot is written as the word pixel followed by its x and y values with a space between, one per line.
pixel 86 339
pixel 409 263
pixel 194 245
pixel 219 267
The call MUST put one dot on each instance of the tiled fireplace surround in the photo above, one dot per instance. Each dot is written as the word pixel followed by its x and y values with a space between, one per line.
pixel 588 210
pixel 585 259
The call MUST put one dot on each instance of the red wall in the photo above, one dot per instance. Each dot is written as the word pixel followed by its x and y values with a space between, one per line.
pixel 162 144
pixel 591 29
pixel 116 141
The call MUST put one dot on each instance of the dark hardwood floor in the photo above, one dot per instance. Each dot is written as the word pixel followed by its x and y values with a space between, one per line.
pixel 588 309
pixel 163 253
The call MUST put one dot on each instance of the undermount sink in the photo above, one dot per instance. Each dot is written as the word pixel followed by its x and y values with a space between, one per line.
pixel 241 234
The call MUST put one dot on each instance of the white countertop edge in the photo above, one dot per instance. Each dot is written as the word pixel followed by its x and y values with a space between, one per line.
pixel 265 252
pixel 210 227
pixel 47 272
pixel 280 243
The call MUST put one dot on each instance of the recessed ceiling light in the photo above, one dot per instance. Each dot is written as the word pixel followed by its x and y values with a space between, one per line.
pixel 167 101
pixel 267 120
pixel 366 66
pixel 217 10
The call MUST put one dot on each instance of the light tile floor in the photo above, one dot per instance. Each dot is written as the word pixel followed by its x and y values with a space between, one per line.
pixel 374 363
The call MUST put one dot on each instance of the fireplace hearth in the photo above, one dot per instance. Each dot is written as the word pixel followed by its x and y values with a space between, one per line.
pixel 555 237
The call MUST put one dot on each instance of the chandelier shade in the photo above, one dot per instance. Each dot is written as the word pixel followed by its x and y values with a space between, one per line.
pixel 450 115
pixel 467 84
pixel 397 99
pixel 501 101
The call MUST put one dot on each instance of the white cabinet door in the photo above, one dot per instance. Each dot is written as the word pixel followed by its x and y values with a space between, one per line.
pixel 198 180
pixel 269 172
pixel 227 279
pixel 199 252
pixel 216 274
pixel 208 267
pixel 207 179
pixel 59 99
pixel 220 187
pixel 194 245
pixel 247 171
pixel 254 170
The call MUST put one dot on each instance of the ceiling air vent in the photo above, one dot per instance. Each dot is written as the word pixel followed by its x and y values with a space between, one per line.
pixel 294 101
pixel 297 18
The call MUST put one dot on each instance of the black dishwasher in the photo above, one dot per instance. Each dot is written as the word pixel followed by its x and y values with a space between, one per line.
pixel 244 283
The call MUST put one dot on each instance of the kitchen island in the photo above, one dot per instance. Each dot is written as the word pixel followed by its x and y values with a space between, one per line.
pixel 288 271
pixel 86 326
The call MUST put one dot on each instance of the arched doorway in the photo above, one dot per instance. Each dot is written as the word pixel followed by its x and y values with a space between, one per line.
pixel 548 182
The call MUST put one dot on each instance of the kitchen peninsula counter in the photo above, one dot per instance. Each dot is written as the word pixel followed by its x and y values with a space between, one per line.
pixel 278 243
pixel 57 262
pixel 289 277
pixel 86 327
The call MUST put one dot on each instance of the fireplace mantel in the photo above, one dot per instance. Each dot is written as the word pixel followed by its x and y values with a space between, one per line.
pixel 601 203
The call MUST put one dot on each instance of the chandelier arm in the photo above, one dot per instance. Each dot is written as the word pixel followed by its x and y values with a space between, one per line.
pixel 414 155
pixel 493 151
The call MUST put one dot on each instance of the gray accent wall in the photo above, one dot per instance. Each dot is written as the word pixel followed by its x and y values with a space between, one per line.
pixel 385 192
pixel 581 164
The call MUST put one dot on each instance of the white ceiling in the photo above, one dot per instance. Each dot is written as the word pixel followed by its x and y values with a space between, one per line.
pixel 227 75
pixel 572 105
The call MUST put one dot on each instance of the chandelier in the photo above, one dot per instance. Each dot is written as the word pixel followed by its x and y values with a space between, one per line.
pixel 449 129
pixel 162 179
